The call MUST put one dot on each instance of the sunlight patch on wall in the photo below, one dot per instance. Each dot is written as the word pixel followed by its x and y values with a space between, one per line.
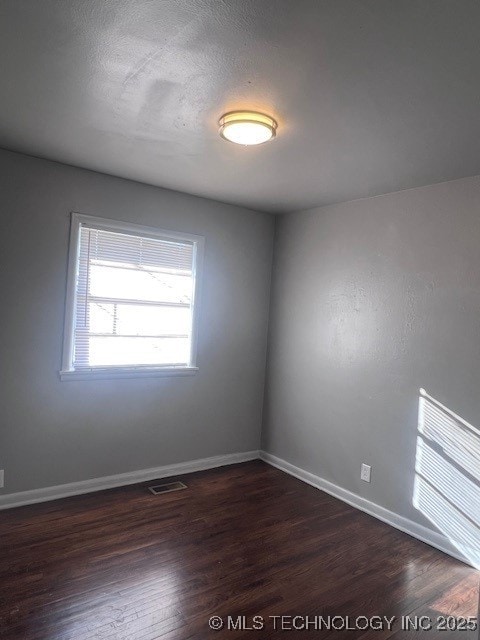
pixel 447 475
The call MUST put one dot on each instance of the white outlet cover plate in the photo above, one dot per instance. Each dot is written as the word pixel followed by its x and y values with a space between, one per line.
pixel 366 472
pixel 2 478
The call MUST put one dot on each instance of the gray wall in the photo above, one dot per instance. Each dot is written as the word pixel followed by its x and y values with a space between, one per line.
pixel 53 432
pixel 371 300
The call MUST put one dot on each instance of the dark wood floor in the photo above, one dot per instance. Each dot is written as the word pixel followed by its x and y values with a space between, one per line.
pixel 246 540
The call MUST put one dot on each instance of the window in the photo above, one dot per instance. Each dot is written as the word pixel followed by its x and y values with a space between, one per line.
pixel 131 300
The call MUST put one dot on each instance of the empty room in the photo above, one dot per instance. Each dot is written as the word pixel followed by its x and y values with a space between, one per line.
pixel 240 319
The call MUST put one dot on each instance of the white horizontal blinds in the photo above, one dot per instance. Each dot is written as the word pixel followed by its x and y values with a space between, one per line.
pixel 133 300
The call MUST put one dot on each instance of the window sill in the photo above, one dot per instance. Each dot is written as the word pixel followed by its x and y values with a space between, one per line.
pixel 109 374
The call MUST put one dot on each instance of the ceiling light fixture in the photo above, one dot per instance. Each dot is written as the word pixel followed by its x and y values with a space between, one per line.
pixel 247 127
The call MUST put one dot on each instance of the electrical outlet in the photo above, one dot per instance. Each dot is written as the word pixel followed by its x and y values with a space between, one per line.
pixel 2 478
pixel 366 472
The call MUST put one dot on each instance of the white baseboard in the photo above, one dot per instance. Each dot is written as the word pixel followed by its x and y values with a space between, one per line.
pixel 108 482
pixel 413 529
pixel 410 527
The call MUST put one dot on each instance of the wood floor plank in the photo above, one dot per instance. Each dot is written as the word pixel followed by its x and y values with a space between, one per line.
pixel 245 540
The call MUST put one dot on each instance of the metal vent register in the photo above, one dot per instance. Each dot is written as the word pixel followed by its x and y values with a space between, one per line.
pixel 167 488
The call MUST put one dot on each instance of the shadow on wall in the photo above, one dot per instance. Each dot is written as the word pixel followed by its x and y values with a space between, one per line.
pixel 447 475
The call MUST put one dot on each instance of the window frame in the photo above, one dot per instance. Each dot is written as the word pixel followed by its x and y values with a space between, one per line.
pixel 67 371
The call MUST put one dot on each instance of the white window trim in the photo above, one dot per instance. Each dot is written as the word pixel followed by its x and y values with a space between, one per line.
pixel 67 372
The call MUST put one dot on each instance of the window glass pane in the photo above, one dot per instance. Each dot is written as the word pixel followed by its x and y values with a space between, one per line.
pixel 117 351
pixel 137 319
pixel 100 318
pixel 114 282
pixel 152 321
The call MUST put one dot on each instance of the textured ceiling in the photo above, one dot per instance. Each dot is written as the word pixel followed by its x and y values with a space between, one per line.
pixel 371 96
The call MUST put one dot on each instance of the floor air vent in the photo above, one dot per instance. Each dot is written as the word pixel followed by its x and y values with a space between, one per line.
pixel 166 488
